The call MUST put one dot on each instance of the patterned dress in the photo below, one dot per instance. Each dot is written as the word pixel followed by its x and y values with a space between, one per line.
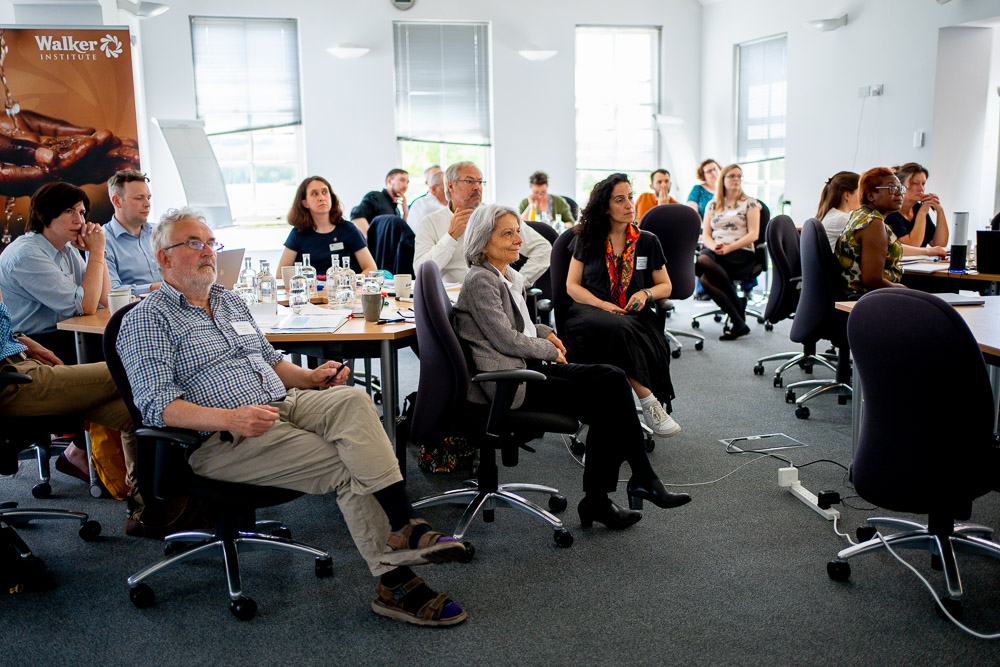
pixel 848 250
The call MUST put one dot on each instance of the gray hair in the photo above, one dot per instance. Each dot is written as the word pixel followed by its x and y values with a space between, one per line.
pixel 478 232
pixel 160 238
pixel 428 170
pixel 437 178
pixel 452 174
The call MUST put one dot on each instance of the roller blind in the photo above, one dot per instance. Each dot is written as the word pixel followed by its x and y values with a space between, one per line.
pixel 763 83
pixel 246 73
pixel 442 82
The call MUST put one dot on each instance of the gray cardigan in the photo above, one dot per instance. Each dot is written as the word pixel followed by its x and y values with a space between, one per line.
pixel 490 325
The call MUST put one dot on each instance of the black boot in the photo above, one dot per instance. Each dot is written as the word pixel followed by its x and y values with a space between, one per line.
pixel 655 493
pixel 604 511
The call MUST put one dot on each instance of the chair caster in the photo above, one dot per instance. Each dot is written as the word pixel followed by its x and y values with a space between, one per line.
pixel 802 412
pixel 807 368
pixel 761 320
pixel 9 505
pixel 563 538
pixel 89 531
pixel 842 399
pixel 790 396
pixel 700 345
pixel 650 444
pixel 142 596
pixel 470 553
pixel 695 324
pixel 717 318
pixel 954 608
pixel 43 490
pixel 838 570
pixel 865 533
pixel 377 398
pixel 768 326
pixel 758 369
pixel 576 446
pixel 283 532
pixel 557 504
pixel 676 354
pixel 779 381
pixel 489 516
pixel 324 567
pixel 96 491
pixel 243 608
pixel 171 548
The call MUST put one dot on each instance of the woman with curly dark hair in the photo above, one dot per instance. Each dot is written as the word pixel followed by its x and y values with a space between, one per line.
pixel 615 276
pixel 321 231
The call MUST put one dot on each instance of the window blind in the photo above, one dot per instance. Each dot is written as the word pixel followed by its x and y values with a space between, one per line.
pixel 762 99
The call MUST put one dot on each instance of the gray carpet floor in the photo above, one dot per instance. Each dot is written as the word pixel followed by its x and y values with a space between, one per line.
pixel 738 576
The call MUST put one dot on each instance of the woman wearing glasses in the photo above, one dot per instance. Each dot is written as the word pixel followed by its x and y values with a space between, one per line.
pixel 43 276
pixel 867 249
pixel 704 192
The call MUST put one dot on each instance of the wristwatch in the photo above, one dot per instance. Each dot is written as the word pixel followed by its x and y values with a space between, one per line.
pixel 19 334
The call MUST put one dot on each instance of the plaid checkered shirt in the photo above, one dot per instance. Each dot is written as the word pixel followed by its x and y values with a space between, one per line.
pixel 8 344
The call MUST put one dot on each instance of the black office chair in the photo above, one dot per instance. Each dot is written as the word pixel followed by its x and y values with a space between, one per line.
pixel 817 317
pixel 443 408
pixel 574 208
pixel 746 282
pixel 936 465
pixel 678 228
pixel 786 283
pixel 163 472
pixel 539 296
pixel 391 242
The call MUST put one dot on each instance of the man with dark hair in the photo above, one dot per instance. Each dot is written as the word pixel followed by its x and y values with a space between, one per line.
pixel 131 262
pixel 659 180
pixel 544 205
pixel 391 200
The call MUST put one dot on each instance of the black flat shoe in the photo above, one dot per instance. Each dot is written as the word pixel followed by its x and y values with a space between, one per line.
pixel 606 512
pixel 733 334
pixel 655 493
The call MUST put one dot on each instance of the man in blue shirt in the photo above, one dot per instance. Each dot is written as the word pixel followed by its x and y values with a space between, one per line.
pixel 196 359
pixel 131 261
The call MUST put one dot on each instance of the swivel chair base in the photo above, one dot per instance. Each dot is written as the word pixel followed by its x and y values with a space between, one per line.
pixel 228 544
pixel 942 544
pixel 10 515
pixel 802 359
pixel 672 334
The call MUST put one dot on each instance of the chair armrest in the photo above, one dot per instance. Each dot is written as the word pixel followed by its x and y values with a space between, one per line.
pixel 503 398
pixel 544 305
pixel 665 304
pixel 533 291
pixel 182 437
pixel 520 375
pixel 169 469
pixel 9 378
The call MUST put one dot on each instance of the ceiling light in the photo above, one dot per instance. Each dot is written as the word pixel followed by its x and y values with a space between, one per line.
pixel 825 25
pixel 347 51
pixel 536 54
pixel 143 9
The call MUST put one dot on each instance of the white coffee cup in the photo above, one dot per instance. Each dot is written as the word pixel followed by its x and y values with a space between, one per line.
pixel 403 284
pixel 118 299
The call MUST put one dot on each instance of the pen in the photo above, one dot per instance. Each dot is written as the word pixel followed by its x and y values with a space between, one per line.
pixel 390 321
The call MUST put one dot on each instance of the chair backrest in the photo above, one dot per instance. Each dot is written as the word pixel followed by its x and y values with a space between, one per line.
pixel 574 208
pixel 443 386
pixel 549 234
pixel 558 268
pixel 115 365
pixel 391 242
pixel 926 428
pixel 760 245
pixel 783 247
pixel 678 227
pixel 816 314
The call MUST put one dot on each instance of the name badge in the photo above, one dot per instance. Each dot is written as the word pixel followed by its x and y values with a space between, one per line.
pixel 641 263
pixel 244 328
pixel 336 246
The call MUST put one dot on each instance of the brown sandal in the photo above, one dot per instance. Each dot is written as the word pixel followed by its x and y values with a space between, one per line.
pixel 437 610
pixel 432 547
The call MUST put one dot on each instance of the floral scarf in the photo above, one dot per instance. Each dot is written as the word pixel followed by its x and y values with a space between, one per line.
pixel 620 269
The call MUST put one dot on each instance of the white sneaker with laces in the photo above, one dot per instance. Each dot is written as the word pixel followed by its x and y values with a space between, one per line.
pixel 657 419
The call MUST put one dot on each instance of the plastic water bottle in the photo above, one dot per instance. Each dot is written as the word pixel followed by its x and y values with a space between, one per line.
pixel 267 288
pixel 246 286
pixel 298 290
pixel 310 275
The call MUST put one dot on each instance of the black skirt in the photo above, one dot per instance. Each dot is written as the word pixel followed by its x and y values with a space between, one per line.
pixel 633 343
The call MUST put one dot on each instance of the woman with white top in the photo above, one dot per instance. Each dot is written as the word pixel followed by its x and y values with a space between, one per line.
pixel 839 198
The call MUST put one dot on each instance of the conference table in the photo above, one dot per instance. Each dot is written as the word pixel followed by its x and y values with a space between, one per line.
pixel 919 275
pixel 356 338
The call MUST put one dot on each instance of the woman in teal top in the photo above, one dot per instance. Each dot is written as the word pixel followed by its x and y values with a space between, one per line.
pixel 869 253
pixel 704 192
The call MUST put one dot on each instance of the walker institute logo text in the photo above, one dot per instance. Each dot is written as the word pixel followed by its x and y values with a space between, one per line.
pixel 67 47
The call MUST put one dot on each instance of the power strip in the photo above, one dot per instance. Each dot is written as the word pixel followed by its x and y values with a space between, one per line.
pixel 788 478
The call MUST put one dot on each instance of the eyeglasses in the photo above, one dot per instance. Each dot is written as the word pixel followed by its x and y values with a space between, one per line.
pixel 469 182
pixel 195 244
pixel 893 189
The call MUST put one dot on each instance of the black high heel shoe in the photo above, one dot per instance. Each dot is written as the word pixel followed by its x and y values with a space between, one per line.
pixel 606 512
pixel 655 493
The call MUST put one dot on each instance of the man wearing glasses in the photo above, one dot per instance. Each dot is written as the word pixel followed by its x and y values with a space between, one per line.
pixel 196 360
pixel 440 237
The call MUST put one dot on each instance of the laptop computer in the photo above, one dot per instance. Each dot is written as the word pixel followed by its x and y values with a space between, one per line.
pixel 961 299
pixel 228 264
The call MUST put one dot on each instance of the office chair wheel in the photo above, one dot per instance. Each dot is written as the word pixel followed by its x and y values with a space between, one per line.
pixel 717 318
pixel 43 490
pixel 838 570
pixel 470 553
pixel 865 533
pixel 96 491
pixel 90 530
pixel 9 505
pixel 758 369
pixel 807 367
pixel 243 608
pixel 650 444
pixel 676 354
pixel 695 324
pixel 802 412
pixel 282 531
pixel 142 596
pixel 760 320
pixel 324 567
pixel 779 381
pixel 700 345
pixel 489 516
pixel 377 398
pixel 563 538
pixel 842 399
pixel 954 608
pixel 768 326
pixel 576 446
pixel 557 503
pixel 790 396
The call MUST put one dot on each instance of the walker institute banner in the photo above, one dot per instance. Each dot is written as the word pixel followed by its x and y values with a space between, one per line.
pixel 69 115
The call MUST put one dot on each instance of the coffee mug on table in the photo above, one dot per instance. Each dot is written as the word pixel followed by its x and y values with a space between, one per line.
pixel 119 298
pixel 403 282
pixel 371 305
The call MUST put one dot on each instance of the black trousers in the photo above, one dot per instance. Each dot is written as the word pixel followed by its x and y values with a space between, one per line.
pixel 600 396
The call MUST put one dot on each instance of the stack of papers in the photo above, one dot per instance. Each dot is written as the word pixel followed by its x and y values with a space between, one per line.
pixel 312 319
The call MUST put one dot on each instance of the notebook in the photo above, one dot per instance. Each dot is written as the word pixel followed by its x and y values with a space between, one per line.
pixel 961 299
pixel 228 264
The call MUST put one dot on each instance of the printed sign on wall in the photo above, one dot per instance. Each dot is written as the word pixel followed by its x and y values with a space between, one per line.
pixel 69 115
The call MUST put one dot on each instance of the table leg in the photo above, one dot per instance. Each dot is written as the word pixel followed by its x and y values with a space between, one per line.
pixel 390 399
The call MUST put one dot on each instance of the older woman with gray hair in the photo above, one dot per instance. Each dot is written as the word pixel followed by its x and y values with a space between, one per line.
pixel 492 320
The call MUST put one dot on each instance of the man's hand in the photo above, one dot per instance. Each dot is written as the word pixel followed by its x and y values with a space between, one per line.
pixel 251 421
pixel 458 223
pixel 662 196
pixel 330 374
pixel 554 339
pixel 90 239
pixel 561 359
pixel 403 206
pixel 40 353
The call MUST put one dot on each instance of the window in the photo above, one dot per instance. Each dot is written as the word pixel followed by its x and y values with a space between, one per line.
pixel 247 91
pixel 760 118
pixel 616 132
pixel 443 106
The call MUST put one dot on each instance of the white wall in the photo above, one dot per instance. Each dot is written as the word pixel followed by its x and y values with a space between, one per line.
pixel 892 42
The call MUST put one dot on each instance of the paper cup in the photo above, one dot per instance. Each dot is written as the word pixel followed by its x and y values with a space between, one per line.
pixel 403 283
pixel 119 300
pixel 371 305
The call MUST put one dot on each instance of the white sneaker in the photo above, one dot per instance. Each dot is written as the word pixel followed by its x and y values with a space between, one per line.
pixel 657 419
